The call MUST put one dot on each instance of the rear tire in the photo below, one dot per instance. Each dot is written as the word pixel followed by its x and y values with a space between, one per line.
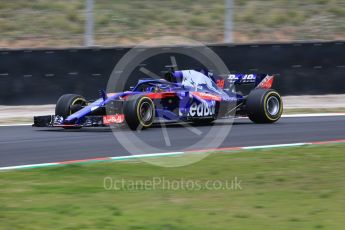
pixel 139 112
pixel 264 106
pixel 68 104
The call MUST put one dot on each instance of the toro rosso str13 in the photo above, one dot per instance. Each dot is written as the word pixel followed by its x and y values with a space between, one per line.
pixel 186 95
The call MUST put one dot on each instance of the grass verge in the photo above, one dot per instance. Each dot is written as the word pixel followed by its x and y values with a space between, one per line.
pixel 48 23
pixel 292 188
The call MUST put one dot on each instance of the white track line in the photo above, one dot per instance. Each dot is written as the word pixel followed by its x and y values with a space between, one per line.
pixel 274 146
pixel 314 115
pixel 28 166
pixel 15 124
pixel 146 155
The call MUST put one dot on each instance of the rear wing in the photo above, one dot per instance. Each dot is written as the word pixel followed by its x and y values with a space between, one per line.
pixel 231 82
pixel 252 81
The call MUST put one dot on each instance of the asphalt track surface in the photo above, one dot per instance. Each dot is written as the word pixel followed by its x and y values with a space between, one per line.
pixel 20 145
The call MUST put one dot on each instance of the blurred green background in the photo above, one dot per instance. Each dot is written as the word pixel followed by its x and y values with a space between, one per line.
pixel 59 23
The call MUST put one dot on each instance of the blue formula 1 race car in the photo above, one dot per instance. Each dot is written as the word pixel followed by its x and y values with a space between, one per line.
pixel 186 95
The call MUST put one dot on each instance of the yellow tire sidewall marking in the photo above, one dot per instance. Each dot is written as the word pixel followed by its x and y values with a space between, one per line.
pixel 280 105
pixel 138 112
pixel 75 100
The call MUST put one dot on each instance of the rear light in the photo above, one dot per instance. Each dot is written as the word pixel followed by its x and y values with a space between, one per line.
pixel 266 83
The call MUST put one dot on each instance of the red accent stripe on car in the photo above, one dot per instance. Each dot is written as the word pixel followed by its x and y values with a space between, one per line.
pixel 207 96
pixel 160 95
pixel 266 83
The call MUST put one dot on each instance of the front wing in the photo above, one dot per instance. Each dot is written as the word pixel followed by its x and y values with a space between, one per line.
pixel 87 121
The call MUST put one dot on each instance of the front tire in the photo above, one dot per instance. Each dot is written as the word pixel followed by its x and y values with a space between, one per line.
pixel 68 104
pixel 264 106
pixel 139 112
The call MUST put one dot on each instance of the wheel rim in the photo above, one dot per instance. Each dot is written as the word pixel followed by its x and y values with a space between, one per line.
pixel 145 112
pixel 273 106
